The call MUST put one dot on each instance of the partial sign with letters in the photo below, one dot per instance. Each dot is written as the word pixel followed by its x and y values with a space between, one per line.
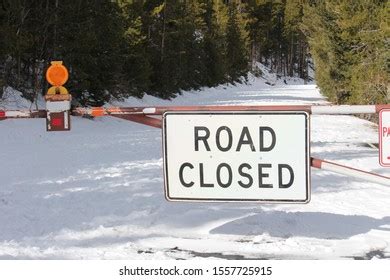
pixel 237 156
pixel 384 137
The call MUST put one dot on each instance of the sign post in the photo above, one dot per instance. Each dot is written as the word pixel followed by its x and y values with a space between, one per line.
pixel 57 98
pixel 237 156
pixel 384 137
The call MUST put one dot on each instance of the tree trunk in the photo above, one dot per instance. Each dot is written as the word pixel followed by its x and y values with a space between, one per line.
pixel 163 32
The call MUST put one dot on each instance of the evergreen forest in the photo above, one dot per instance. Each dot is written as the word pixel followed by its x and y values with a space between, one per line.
pixel 120 48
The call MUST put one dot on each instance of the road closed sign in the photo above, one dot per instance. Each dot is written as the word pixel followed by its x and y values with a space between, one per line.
pixel 237 156
pixel 384 137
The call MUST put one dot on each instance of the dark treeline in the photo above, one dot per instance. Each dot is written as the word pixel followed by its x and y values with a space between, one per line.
pixel 126 48
pixel 116 49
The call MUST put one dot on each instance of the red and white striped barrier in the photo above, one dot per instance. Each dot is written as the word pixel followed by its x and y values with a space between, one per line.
pixel 142 114
pixel 102 111
pixel 349 171
pixel 312 109
pixel 22 114
pixel 347 109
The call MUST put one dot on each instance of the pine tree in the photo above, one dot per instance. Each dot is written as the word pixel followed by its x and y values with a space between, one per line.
pixel 296 56
pixel 259 27
pixel 348 44
pixel 160 24
pixel 236 56
pixel 327 49
pixel 175 46
pixel 191 49
pixel 26 28
pixel 136 71
pixel 215 67
pixel 365 26
pixel 90 44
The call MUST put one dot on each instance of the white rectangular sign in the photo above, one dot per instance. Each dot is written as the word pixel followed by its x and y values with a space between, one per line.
pixel 237 156
pixel 384 137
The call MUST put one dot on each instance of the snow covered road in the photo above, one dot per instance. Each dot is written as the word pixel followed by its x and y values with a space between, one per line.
pixel 97 192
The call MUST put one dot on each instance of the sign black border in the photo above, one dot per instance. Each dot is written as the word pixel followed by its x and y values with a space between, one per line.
pixel 307 145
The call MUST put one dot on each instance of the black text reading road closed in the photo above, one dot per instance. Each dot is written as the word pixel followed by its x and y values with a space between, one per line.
pixel 246 175
pixel 236 156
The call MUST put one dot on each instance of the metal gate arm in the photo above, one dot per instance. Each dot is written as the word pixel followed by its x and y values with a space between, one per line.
pixel 22 114
pixel 349 171
pixel 154 122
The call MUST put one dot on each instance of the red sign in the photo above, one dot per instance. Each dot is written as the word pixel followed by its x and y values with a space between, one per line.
pixel 58 121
